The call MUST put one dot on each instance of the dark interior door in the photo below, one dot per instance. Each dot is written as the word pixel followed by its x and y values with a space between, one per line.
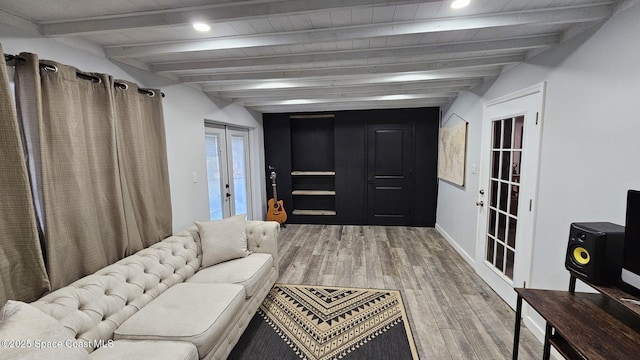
pixel 390 174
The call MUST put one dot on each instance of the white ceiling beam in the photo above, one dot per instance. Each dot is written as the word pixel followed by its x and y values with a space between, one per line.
pixel 137 65
pixel 380 89
pixel 350 106
pixel 397 53
pixel 565 15
pixel 140 65
pixel 351 98
pixel 360 70
pixel 352 81
pixel 12 25
pixel 213 14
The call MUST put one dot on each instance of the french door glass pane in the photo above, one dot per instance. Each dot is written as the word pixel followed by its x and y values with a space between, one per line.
pixel 492 222
pixel 490 249
pixel 502 227
pixel 499 256
pixel 212 145
pixel 239 173
pixel 509 265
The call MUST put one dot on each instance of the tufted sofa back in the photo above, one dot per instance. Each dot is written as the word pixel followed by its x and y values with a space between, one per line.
pixel 94 306
pixel 257 233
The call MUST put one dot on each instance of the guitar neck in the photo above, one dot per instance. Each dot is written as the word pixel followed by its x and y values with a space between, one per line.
pixel 275 192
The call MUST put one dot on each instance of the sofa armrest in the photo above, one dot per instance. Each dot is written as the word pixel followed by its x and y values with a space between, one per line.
pixel 262 237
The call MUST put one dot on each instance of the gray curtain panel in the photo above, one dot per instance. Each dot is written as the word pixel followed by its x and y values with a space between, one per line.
pixel 81 200
pixel 22 270
pixel 143 163
pixel 97 155
pixel 29 106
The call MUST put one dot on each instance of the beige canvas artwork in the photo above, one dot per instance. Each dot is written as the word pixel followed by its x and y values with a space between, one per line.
pixel 452 143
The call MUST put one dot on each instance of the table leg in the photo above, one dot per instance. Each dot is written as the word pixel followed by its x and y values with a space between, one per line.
pixel 546 353
pixel 516 330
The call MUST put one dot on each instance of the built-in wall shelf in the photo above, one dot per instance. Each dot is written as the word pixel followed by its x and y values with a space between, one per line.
pixel 313 173
pixel 314 192
pixel 313 184
pixel 314 212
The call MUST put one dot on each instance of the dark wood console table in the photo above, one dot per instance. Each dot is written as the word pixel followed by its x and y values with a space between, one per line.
pixel 584 325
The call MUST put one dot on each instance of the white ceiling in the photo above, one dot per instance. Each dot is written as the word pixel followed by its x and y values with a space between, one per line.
pixel 299 55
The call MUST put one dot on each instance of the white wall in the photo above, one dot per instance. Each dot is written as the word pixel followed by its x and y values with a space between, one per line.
pixel 456 212
pixel 590 143
pixel 185 109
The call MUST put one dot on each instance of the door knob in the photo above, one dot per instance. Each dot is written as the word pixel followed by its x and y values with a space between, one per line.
pixel 480 203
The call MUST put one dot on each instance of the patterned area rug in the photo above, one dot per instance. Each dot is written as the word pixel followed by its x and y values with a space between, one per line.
pixel 316 322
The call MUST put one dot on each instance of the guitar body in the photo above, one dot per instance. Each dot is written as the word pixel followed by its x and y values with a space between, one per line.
pixel 275 211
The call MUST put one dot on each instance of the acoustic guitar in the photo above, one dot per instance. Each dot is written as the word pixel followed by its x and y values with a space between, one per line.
pixel 275 209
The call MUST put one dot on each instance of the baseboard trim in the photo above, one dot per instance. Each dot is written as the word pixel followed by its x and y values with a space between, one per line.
pixel 527 319
pixel 457 247
pixel 536 330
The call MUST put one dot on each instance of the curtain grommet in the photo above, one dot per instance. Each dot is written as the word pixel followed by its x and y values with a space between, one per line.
pixel 49 68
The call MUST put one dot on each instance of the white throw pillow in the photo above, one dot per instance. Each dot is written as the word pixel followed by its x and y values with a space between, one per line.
pixel 223 240
pixel 28 333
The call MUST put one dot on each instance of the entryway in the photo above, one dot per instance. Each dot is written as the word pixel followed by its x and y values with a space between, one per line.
pixel 228 175
pixel 390 174
pixel 507 195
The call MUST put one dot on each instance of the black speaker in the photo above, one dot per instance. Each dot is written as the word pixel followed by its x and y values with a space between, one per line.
pixel 595 252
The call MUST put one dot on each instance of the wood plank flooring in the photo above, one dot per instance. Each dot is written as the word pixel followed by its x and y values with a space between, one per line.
pixel 453 313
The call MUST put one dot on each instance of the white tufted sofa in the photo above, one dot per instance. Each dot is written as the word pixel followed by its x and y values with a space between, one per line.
pixel 159 304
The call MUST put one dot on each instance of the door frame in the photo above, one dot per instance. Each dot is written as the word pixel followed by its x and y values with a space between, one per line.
pixel 226 164
pixel 532 145
pixel 408 126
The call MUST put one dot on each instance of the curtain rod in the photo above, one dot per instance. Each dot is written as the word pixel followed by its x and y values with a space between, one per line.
pixel 47 67
pixel 95 79
pixel 124 86
pixel 84 76
pixel 9 57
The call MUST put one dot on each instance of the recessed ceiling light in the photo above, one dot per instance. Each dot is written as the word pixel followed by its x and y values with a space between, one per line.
pixel 459 4
pixel 297 102
pixel 201 27
pixel 274 85
pixel 395 97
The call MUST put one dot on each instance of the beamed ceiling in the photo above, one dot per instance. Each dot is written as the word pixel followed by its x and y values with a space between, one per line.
pixel 299 55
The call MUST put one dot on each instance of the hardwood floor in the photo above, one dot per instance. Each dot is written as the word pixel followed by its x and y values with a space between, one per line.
pixel 452 312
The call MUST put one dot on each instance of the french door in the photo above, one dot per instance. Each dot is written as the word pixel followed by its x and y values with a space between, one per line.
pixel 228 176
pixel 508 186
